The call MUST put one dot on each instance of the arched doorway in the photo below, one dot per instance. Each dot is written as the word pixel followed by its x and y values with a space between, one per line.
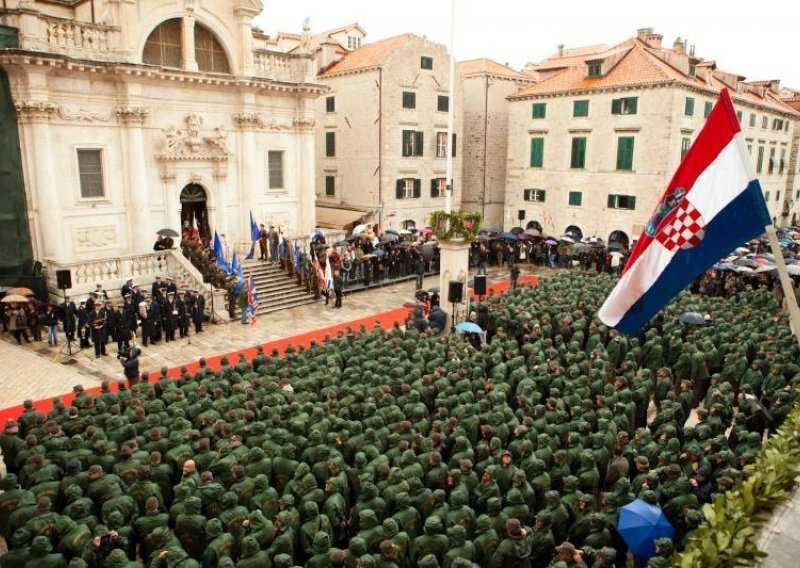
pixel 534 225
pixel 194 208
pixel 408 224
pixel 574 231
pixel 619 237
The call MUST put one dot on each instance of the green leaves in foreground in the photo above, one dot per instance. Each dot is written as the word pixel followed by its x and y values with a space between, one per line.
pixel 727 538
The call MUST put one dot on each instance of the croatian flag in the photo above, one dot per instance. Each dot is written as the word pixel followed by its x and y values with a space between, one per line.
pixel 712 205
pixel 281 244
pixel 252 300
pixel 195 228
pixel 328 274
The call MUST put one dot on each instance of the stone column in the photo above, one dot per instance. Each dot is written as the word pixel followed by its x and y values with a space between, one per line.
pixel 44 209
pixel 189 61
pixel 453 266
pixel 305 195
pixel 137 194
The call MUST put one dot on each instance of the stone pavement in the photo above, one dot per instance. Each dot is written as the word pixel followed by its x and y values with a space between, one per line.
pixel 37 370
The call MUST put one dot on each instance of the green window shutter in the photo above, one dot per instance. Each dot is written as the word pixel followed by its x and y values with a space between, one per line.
pixel 453 149
pixel 578 159
pixel 708 108
pixel 417 188
pixel 408 136
pixel 537 152
pixel 575 198
pixel 330 144
pixel 539 110
pixel 580 108
pixel 400 189
pixel 418 143
pixel 633 105
pixel 616 106
pixel 443 103
pixel 434 187
pixel 632 201
pixel 611 201
pixel 688 108
pixel 625 153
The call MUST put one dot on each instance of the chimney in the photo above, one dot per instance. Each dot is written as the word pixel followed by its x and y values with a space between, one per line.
pixel 643 33
pixel 328 55
pixel 679 46
pixel 654 40
pixel 560 49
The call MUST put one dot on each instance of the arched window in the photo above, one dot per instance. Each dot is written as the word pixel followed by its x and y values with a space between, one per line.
pixel 164 46
pixel 208 51
pixel 534 225
pixel 408 224
pixel 619 237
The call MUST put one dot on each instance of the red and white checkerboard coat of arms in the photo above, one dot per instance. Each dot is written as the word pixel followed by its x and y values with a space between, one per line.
pixel 684 230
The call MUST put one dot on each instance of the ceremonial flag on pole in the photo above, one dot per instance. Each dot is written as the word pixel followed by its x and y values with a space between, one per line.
pixel 297 257
pixel 281 244
pixel 712 205
pixel 219 254
pixel 252 300
pixel 254 235
pixel 328 274
pixel 195 228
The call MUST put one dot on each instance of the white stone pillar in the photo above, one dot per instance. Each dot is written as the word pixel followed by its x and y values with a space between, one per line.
pixel 304 168
pixel 137 193
pixel 189 61
pixel 46 210
pixel 453 266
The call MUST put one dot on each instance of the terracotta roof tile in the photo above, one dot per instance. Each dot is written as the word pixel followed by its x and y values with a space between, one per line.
pixel 488 67
pixel 368 55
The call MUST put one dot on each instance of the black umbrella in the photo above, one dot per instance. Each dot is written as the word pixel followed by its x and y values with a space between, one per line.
pixel 516 230
pixel 341 244
pixel 168 233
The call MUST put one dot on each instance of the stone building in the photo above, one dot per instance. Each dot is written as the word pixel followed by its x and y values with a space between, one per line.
pixel 382 132
pixel 594 143
pixel 136 116
pixel 486 84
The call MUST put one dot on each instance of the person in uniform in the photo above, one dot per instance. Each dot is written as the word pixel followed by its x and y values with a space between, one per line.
pixel 96 322
pixel 199 313
pixel 68 317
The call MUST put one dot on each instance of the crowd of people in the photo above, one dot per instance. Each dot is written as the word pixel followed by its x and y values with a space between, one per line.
pixel 402 448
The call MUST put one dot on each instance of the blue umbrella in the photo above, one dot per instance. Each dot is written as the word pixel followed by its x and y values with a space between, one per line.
pixel 469 327
pixel 640 525
pixel 508 236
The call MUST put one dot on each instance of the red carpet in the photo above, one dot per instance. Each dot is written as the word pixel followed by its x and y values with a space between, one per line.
pixel 386 320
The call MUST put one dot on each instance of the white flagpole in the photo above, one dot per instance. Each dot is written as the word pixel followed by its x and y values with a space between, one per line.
pixel 451 103
pixel 786 282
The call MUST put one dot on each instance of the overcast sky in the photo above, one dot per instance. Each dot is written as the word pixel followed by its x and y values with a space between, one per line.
pixel 751 42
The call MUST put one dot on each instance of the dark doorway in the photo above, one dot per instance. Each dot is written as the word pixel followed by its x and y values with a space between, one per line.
pixel 619 237
pixel 193 208
pixel 575 232
pixel 534 225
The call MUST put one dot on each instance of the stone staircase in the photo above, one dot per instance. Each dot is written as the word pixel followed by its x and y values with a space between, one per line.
pixel 276 289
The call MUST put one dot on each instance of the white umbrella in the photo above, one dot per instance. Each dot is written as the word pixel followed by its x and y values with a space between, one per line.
pixel 358 229
pixel 567 239
pixel 793 269
pixel 405 232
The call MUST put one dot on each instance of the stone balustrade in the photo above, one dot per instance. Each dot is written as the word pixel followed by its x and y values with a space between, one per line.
pixel 73 38
pixel 272 65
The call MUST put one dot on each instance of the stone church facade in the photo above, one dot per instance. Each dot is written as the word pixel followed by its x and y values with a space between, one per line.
pixel 136 116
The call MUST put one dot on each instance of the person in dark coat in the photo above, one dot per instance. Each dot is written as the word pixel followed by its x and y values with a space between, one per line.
pixel 130 366
pixel 69 317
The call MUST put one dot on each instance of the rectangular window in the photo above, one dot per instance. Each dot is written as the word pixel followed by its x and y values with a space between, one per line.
pixel 534 195
pixel 627 105
pixel 453 148
pixel 777 124
pixel 580 108
pixel 330 104
pixel 764 121
pixel 692 70
pixel 625 153
pixel 685 145
pixel 275 164
pixel 766 196
pixel 771 163
pixel 777 195
pixel 441 144
pixel 412 143
pixel 443 103
pixel 752 119
pixel 330 185
pixel 408 188
pixel 782 163
pixel 409 99
pixel 537 152
pixel 594 70
pixel 739 116
pixel 90 171
pixel 688 107
pixel 616 201
pixel 426 62
pixel 539 110
pixel 330 144
pixel 353 42
pixel 578 157
pixel 760 161
pixel 438 187
pixel 575 198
